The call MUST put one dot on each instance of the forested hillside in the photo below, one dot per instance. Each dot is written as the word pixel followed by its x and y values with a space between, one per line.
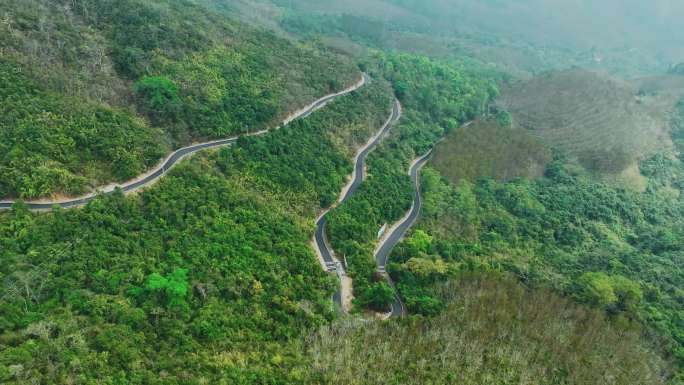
pixel 205 278
pixel 436 98
pixel 615 249
pixel 96 91
pixel 528 265
pixel 521 37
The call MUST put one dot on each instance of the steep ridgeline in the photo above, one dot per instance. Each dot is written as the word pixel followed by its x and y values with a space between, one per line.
pixel 99 91
pixel 206 277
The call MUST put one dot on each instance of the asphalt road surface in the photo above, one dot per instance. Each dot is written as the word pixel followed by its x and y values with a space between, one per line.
pixel 178 155
pixel 320 235
pixel 398 233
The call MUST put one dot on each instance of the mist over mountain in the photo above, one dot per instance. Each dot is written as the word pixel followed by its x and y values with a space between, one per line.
pixel 523 36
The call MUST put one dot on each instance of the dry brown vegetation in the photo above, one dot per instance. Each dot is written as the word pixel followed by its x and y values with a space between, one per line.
pixel 494 332
pixel 485 149
pixel 601 122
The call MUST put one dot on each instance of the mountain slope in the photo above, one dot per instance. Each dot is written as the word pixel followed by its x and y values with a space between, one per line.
pixel 601 122
pixel 494 331
pixel 123 81
pixel 207 277
pixel 522 37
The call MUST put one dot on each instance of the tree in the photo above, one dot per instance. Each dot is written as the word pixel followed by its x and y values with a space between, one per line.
pixel 174 287
pixel 378 296
pixel 158 97
pixel 616 293
pixel 597 289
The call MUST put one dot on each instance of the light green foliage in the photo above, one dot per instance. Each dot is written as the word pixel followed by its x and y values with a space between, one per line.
pixel 174 286
pixel 73 75
pixel 610 292
pixel 423 268
pixel 420 242
pixel 598 289
pixel 208 277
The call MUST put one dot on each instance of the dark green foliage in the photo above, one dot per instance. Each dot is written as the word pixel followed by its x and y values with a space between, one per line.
pixel 503 118
pixel 377 296
pixel 158 98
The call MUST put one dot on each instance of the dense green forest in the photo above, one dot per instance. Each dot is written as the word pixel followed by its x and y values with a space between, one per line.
pixel 107 87
pixel 436 97
pixel 50 142
pixel 205 278
pixel 614 249
pixel 523 268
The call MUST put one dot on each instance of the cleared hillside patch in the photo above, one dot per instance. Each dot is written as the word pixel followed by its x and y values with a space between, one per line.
pixel 599 122
pixel 486 149
pixel 494 331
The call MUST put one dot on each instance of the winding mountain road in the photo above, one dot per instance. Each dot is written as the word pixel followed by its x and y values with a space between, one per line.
pixel 320 241
pixel 176 156
pixel 398 231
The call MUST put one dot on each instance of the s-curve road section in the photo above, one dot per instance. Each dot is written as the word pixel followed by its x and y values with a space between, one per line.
pixel 321 244
pixel 398 231
pixel 176 156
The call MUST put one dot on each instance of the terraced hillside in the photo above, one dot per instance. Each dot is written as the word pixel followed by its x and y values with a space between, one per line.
pixel 602 123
